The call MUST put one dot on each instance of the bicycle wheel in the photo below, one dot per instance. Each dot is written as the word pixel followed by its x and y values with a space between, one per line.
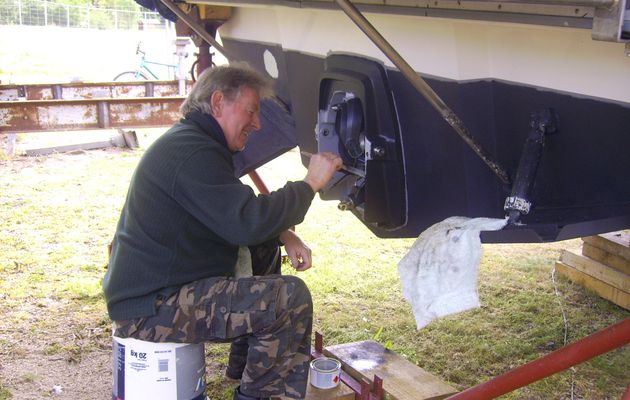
pixel 193 70
pixel 130 76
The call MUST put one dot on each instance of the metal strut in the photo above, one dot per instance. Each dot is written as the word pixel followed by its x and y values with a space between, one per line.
pixel 422 87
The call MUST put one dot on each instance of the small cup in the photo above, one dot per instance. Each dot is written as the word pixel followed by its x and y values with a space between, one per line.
pixel 324 373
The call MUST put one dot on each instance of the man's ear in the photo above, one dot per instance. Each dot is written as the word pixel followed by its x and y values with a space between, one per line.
pixel 216 103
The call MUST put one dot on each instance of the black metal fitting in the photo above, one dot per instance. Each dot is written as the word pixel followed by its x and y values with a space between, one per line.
pixel 545 121
pixel 542 123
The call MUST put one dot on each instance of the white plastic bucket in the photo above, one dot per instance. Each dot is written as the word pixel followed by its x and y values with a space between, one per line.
pixel 324 373
pixel 157 371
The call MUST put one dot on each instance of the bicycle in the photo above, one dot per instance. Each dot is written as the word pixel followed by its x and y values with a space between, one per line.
pixel 193 67
pixel 144 72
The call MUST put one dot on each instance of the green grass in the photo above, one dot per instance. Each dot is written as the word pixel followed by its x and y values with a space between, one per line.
pixel 5 393
pixel 58 214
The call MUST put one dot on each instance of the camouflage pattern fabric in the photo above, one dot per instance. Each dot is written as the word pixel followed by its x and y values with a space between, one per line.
pixel 273 313
pixel 266 260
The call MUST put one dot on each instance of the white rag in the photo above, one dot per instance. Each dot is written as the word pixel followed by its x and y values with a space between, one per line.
pixel 243 267
pixel 439 273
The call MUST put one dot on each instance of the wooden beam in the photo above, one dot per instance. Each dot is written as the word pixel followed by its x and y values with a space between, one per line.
pixel 616 243
pixel 603 289
pixel 606 258
pixel 123 138
pixel 603 272
pixel 402 380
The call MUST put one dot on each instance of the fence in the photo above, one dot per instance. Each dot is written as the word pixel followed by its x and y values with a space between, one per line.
pixel 47 13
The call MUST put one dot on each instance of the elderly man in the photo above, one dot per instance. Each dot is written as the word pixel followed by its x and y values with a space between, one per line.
pixel 188 222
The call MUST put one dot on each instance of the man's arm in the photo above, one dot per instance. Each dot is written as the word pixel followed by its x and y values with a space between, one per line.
pixel 207 188
pixel 321 169
pixel 299 253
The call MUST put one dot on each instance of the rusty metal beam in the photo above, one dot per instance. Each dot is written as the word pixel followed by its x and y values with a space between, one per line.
pixel 91 90
pixel 64 115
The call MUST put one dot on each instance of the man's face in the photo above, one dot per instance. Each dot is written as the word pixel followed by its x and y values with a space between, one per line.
pixel 238 118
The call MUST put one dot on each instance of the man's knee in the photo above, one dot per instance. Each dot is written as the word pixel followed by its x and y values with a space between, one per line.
pixel 295 294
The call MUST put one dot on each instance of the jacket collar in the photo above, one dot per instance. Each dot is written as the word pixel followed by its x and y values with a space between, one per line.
pixel 209 125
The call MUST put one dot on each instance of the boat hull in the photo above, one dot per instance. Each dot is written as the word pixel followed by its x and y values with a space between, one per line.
pixel 581 186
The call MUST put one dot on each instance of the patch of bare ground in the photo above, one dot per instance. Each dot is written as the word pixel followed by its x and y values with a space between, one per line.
pixel 58 214
pixel 53 342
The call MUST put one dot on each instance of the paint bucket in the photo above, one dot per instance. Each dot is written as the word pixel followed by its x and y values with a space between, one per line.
pixel 324 373
pixel 157 371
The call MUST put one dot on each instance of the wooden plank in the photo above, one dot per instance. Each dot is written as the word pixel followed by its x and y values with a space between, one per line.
pixel 604 273
pixel 603 289
pixel 606 258
pixel 402 380
pixel 617 243
pixel 68 148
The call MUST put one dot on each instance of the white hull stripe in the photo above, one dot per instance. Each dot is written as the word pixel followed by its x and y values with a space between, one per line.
pixel 564 59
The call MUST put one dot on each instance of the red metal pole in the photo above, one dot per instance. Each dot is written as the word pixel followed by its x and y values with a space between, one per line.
pixel 626 396
pixel 575 353
pixel 262 188
pixel 258 182
pixel 204 58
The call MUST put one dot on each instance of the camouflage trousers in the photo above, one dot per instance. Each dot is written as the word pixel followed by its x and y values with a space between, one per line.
pixel 269 317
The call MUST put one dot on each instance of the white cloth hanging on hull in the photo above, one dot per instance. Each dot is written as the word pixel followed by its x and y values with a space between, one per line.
pixel 439 273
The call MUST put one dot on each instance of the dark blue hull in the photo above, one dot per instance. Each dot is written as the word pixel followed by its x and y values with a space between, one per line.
pixel 426 172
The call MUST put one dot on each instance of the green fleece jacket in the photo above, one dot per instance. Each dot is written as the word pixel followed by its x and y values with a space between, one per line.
pixel 185 216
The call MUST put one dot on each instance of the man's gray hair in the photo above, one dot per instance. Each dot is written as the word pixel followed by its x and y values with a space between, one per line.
pixel 228 79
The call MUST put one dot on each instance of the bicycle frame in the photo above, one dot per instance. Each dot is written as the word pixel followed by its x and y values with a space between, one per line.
pixel 144 65
pixel 144 71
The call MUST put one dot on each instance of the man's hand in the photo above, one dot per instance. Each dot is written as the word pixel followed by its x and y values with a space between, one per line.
pixel 298 252
pixel 321 169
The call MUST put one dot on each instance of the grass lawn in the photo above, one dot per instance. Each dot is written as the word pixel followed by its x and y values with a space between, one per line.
pixel 59 212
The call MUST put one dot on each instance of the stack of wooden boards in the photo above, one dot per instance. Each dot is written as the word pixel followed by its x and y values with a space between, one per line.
pixel 603 266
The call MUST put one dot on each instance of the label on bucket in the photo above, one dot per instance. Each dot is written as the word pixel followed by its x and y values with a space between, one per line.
pixel 145 370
